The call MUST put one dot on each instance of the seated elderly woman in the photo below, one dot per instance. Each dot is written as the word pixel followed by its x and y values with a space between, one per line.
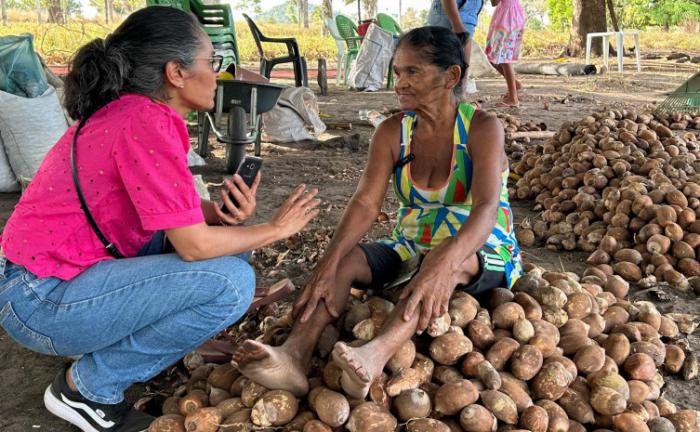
pixel 449 171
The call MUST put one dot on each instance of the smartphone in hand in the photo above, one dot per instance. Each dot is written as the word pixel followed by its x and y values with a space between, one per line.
pixel 248 169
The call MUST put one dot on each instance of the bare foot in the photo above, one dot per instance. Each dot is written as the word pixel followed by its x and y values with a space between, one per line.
pixel 272 367
pixel 358 370
pixel 518 87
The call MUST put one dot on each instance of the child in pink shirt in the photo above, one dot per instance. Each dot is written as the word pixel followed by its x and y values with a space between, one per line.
pixel 62 292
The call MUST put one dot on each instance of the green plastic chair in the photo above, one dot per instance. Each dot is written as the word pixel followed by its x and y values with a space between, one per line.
pixel 348 31
pixel 217 21
pixel 388 23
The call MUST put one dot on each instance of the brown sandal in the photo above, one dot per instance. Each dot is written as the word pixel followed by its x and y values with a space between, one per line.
pixel 220 351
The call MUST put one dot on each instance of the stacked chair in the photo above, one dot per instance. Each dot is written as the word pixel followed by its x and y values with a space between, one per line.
pixel 348 31
pixel 217 23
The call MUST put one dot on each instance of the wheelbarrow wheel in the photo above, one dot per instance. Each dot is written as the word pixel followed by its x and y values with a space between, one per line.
pixel 234 155
pixel 235 152
pixel 203 129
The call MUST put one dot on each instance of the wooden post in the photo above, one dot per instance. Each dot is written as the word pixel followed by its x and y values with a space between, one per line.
pixel 3 3
pixel 400 13
pixel 322 77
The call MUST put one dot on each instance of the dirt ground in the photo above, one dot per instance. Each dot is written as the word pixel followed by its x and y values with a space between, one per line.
pixel 334 164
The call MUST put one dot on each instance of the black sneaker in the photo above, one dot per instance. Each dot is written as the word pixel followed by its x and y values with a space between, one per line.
pixel 90 416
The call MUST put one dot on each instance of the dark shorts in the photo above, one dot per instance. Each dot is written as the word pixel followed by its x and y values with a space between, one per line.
pixel 386 266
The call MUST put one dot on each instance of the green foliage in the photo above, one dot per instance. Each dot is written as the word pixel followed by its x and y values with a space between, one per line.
pixel 413 18
pixel 640 14
pixel 560 13
pixel 57 43
pixel 668 13
pixel 120 7
pixel 292 11
pixel 73 6
pixel 249 6
pixel 535 9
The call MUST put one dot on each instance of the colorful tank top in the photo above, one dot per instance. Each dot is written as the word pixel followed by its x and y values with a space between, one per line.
pixel 426 217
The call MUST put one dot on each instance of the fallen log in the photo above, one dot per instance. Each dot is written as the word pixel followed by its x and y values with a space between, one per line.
pixel 530 134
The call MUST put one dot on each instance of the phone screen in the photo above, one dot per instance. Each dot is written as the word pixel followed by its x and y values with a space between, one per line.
pixel 248 169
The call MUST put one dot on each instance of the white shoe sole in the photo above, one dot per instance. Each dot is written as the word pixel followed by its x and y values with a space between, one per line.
pixel 61 410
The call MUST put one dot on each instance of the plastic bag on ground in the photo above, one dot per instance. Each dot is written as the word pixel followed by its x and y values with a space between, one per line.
pixel 288 120
pixel 372 64
pixel 21 72
pixel 29 128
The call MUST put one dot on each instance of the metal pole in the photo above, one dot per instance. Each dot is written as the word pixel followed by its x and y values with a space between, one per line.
pixel 400 13
pixel 359 13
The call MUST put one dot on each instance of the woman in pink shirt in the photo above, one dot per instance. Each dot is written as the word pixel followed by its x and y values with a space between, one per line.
pixel 62 292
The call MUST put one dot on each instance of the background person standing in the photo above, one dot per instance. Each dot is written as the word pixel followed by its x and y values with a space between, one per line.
pixel 461 16
pixel 503 44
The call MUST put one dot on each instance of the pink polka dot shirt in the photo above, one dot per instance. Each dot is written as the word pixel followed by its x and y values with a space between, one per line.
pixel 132 165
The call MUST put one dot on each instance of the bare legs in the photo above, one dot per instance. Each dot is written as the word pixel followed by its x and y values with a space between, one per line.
pixel 285 367
pixel 362 365
pixel 511 97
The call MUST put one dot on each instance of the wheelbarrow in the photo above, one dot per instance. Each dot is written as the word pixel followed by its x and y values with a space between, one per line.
pixel 242 104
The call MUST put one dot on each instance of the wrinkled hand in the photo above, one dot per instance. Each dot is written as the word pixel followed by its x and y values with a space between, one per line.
pixel 245 197
pixel 319 286
pixel 296 211
pixel 430 289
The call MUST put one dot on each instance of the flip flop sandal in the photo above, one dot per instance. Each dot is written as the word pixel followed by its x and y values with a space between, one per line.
pixel 220 351
pixel 265 296
pixel 505 105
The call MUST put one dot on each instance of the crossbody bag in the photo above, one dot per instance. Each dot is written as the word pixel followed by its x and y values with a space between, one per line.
pixel 111 248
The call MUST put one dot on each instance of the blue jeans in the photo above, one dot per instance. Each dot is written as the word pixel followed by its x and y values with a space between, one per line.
pixel 128 319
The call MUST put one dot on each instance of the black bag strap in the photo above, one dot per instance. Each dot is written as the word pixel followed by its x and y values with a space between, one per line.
pixel 111 248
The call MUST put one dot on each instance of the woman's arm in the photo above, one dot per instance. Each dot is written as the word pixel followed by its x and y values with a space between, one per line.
pixel 366 203
pixel 452 12
pixel 360 213
pixel 201 241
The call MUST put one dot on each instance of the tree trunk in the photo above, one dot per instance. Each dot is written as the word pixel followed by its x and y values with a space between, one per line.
pixel 370 9
pixel 613 15
pixel 3 4
pixel 107 17
pixel 38 11
pixel 326 13
pixel 400 13
pixel 55 12
pixel 305 12
pixel 588 17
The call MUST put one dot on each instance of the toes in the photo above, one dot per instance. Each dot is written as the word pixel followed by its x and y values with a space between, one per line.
pixel 362 374
pixel 255 350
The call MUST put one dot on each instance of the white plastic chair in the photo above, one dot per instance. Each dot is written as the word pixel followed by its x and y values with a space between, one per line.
pixel 340 43
pixel 618 46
